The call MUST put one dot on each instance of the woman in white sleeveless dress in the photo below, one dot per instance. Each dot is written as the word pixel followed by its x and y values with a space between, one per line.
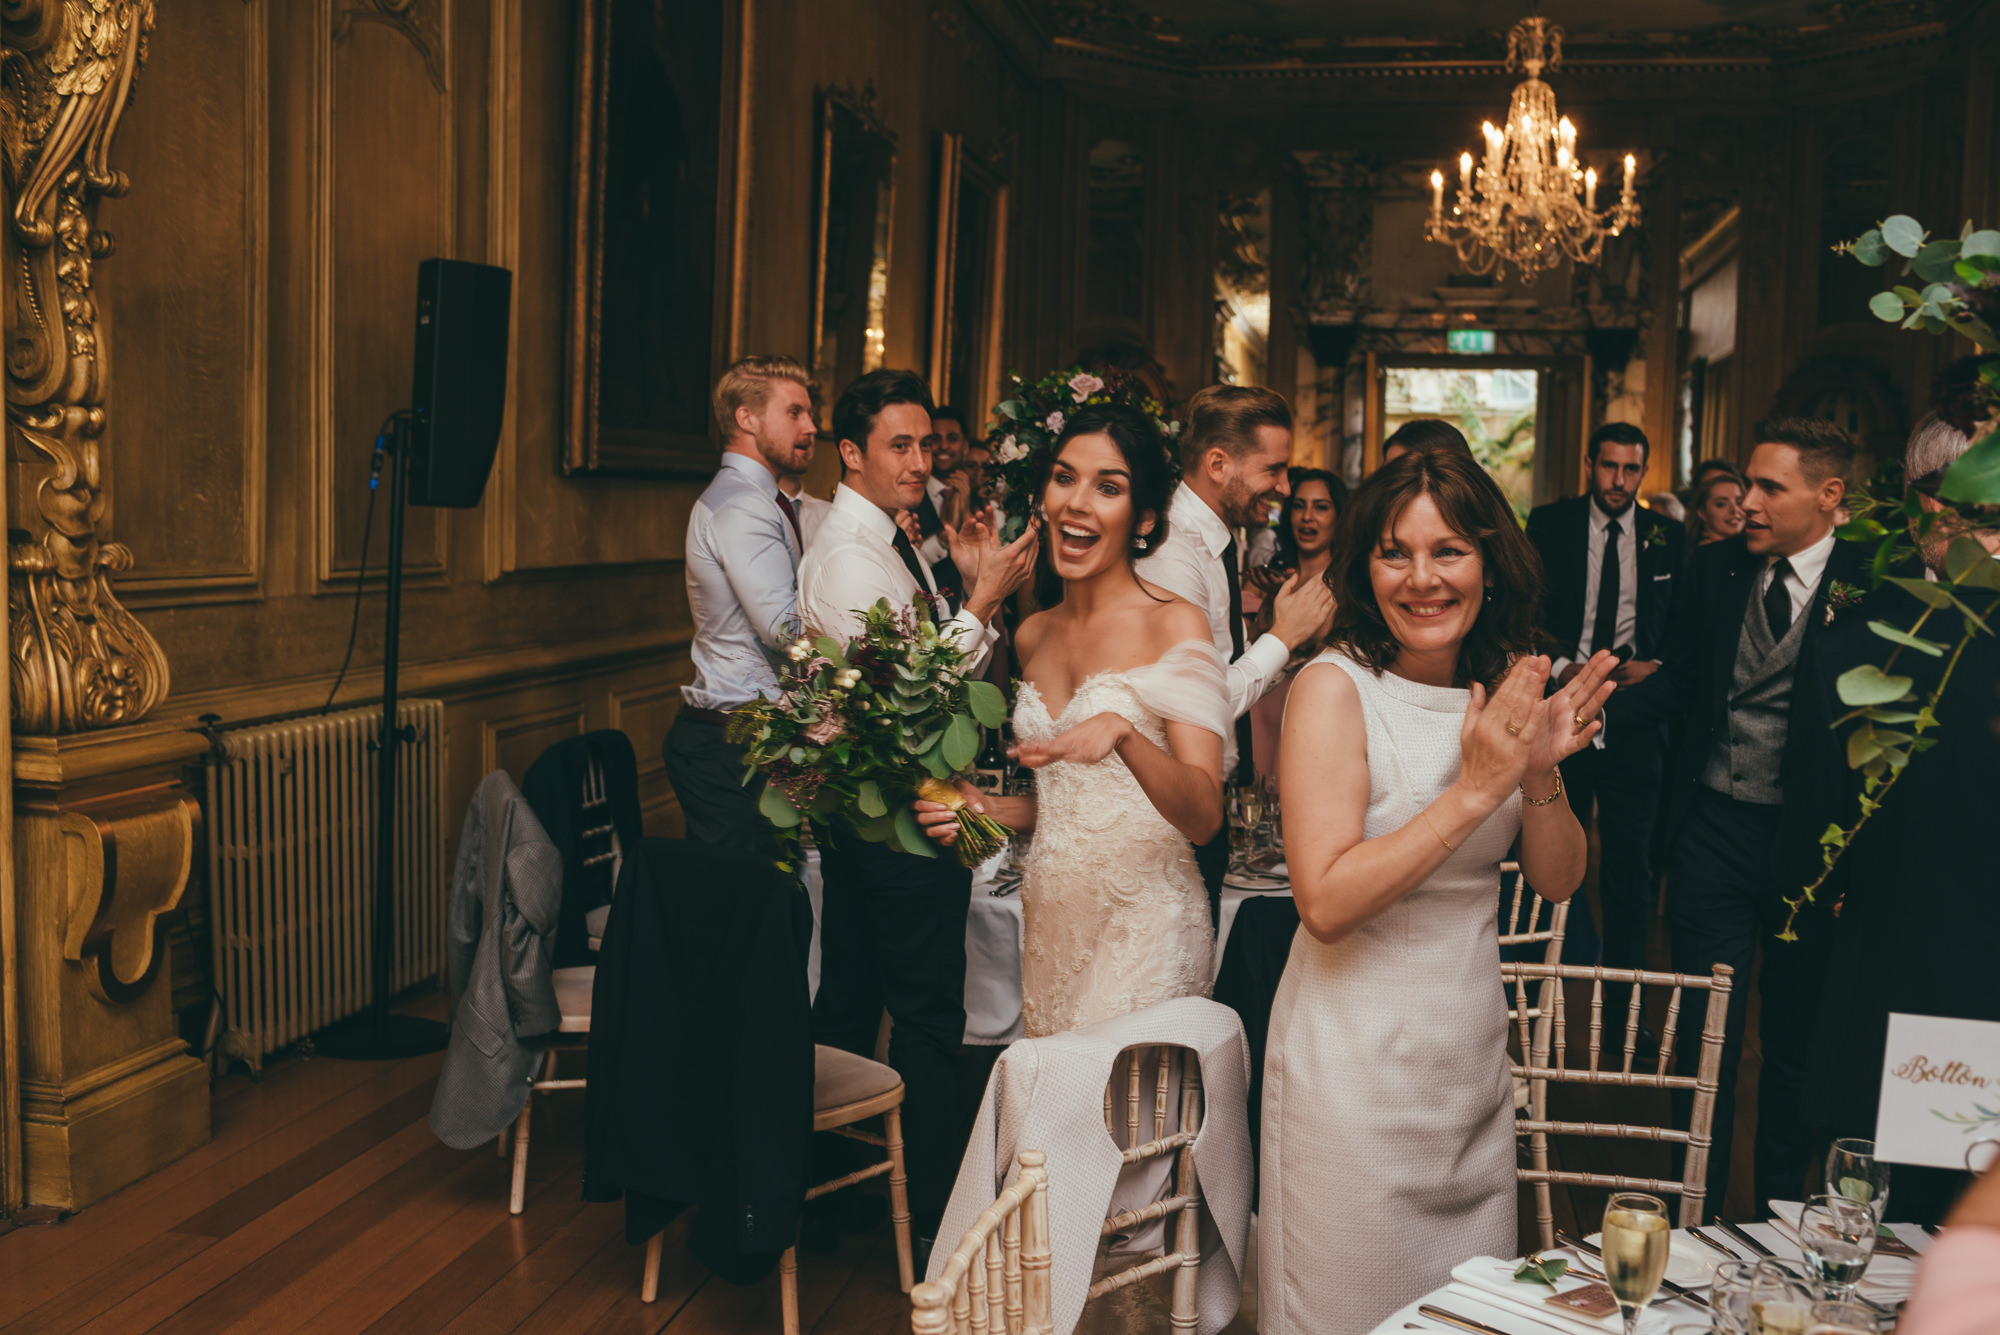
pixel 1415 750
pixel 1121 713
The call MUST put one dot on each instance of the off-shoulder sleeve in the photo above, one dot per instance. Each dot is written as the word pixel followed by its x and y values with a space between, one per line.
pixel 1187 685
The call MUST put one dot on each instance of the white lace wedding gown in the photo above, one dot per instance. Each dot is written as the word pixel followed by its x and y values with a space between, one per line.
pixel 1116 914
pixel 1388 1154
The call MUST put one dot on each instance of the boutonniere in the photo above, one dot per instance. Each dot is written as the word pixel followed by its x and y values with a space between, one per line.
pixel 1656 536
pixel 1841 597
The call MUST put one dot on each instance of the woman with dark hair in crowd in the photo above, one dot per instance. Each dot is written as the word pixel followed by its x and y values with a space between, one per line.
pixel 1718 507
pixel 1305 545
pixel 1416 750
pixel 1422 434
pixel 1122 713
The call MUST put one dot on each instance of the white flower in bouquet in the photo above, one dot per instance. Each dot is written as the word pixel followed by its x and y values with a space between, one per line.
pixel 1010 450
pixel 1055 422
pixel 1083 384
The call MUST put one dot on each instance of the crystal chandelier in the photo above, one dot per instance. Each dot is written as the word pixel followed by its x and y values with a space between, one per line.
pixel 1529 202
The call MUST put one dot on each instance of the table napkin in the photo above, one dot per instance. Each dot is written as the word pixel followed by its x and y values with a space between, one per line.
pixel 1492 1281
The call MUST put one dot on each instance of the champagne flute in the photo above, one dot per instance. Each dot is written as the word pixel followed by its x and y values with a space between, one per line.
pixel 1852 1170
pixel 1837 1235
pixel 1636 1238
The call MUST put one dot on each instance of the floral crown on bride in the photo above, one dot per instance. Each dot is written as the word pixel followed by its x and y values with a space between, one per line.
pixel 1026 426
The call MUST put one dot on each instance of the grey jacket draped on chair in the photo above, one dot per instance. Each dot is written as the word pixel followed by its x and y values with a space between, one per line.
pixel 506 899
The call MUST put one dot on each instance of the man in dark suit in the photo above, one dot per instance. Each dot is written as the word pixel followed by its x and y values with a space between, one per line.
pixel 1608 576
pixel 1757 774
pixel 1914 913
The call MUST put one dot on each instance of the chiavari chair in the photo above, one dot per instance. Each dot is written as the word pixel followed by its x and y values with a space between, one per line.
pixel 997 1281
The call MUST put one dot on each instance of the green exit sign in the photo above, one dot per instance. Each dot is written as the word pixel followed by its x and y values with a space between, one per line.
pixel 1468 340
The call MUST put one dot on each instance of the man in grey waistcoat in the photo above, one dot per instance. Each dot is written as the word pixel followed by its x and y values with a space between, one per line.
pixel 1757 776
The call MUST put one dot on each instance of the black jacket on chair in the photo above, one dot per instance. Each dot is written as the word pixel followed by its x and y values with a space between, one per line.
pixel 701 1053
pixel 553 786
pixel 1560 532
pixel 1697 672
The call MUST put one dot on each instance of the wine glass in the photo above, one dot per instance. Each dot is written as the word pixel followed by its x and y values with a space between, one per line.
pixel 1852 1170
pixel 1837 1235
pixel 1835 1318
pixel 1780 1301
pixel 1636 1237
pixel 1250 798
pixel 1729 1292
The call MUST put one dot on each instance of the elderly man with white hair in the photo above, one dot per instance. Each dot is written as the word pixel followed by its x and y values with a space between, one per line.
pixel 1916 913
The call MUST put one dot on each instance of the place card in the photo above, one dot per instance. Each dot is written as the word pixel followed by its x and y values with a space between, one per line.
pixel 1593 1300
pixel 1940 1092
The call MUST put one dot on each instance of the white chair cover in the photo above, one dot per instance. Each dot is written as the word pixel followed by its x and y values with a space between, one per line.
pixel 1048 1094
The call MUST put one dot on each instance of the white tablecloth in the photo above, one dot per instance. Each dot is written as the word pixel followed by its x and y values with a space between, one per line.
pixel 1893 1285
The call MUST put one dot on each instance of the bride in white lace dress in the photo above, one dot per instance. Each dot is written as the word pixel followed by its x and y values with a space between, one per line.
pixel 1121 713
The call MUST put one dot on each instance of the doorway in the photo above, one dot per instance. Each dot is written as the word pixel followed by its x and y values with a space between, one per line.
pixel 1499 408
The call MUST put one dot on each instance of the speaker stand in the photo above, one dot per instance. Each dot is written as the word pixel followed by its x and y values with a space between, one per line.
pixel 375 1034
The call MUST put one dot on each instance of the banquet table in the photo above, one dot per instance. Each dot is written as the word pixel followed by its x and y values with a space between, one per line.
pixel 1483 1290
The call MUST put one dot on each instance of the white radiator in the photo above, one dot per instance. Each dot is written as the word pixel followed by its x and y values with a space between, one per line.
pixel 291 870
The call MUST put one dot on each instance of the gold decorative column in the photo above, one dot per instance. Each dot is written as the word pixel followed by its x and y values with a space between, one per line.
pixel 77 659
pixel 104 833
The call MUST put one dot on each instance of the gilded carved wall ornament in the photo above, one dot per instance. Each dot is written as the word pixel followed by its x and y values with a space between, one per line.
pixel 78 659
pixel 405 18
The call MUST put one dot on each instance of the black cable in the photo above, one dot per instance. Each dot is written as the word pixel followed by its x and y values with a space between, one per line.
pixel 361 577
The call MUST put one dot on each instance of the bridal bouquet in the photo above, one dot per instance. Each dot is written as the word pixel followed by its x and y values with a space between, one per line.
pixel 862 729
pixel 1027 423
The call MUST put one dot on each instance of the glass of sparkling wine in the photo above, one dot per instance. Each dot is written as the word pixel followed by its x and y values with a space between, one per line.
pixel 1853 1171
pixel 1837 1235
pixel 1636 1237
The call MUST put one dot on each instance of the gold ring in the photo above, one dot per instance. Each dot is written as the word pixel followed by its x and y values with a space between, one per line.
pixel 1581 722
pixel 1514 728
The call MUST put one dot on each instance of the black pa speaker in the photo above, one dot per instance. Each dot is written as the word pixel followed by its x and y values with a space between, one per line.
pixel 461 380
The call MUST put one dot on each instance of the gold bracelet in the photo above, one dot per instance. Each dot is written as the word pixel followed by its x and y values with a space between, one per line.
pixel 1543 801
pixel 1448 845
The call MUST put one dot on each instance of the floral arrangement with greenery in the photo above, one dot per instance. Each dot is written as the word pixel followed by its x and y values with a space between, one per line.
pixel 1026 424
pixel 860 729
pixel 1886 721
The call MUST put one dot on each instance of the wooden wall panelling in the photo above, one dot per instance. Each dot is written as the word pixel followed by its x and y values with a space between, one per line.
pixel 187 301
pixel 513 741
pixel 384 200
pixel 1663 340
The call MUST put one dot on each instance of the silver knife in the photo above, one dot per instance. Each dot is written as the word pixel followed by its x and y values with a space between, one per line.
pixel 1713 1245
pixel 1687 1295
pixel 1756 1248
pixel 1462 1322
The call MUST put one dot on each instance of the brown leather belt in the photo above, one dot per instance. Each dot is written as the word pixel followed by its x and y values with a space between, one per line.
pixel 716 716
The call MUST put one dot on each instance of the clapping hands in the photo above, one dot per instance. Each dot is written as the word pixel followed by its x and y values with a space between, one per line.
pixel 1516 731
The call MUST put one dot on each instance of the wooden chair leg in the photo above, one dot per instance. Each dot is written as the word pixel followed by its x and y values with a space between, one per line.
pixel 899 1197
pixel 649 1283
pixel 503 1142
pixel 519 1197
pixel 788 1288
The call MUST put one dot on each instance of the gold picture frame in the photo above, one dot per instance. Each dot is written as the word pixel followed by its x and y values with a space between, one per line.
pixel 968 283
pixel 662 210
pixel 853 234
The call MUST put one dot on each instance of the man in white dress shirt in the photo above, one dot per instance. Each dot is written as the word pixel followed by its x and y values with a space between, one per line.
pixel 1234 453
pixel 892 924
